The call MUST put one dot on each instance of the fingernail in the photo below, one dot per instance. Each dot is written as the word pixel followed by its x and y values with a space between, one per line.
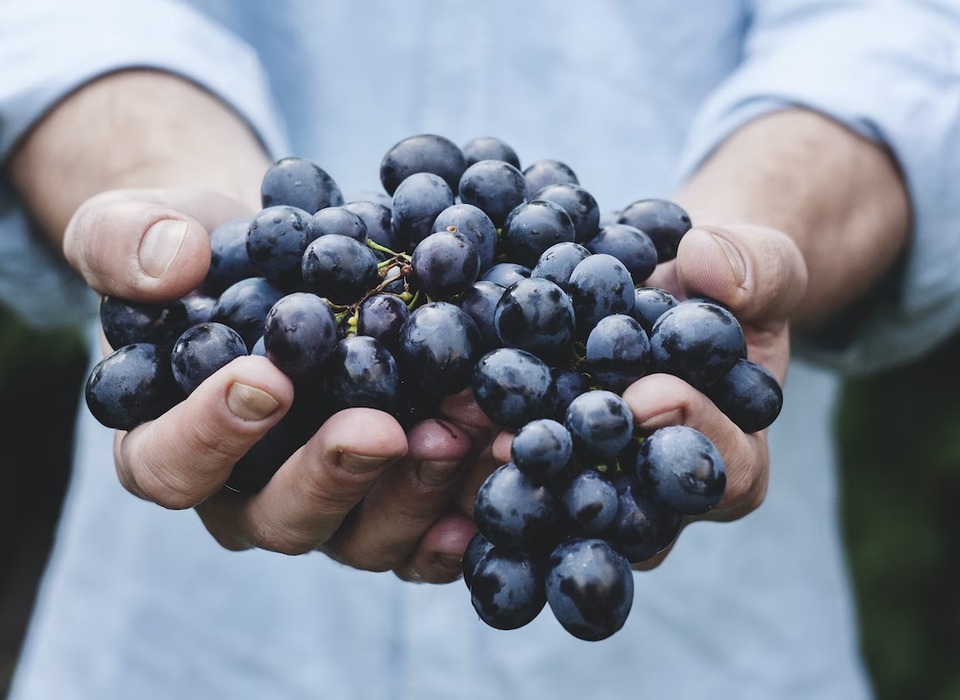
pixel 437 473
pixel 249 403
pixel 450 561
pixel 160 245
pixel 737 265
pixel 661 420
pixel 360 464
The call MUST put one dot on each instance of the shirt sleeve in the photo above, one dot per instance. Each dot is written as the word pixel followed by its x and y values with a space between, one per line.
pixel 889 70
pixel 49 48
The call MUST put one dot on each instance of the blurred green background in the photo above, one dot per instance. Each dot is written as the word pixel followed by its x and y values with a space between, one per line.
pixel 899 436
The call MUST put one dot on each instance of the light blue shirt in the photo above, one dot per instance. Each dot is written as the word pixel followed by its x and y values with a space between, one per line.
pixel 139 602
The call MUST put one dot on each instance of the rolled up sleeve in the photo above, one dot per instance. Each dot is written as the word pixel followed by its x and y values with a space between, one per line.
pixel 889 70
pixel 50 48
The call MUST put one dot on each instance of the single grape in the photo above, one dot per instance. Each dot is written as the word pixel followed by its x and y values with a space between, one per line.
pixel 229 261
pixel 558 261
pixel 362 372
pixel 439 344
pixel 473 223
pixel 494 186
pixel 480 302
pixel 489 148
pixel 697 341
pixel 617 352
pixel 580 205
pixel 507 590
pixel 536 315
pixel 125 322
pixel 381 316
pixel 276 240
pixel 531 228
pixel 600 285
pixel 422 153
pixel 300 183
pixel 665 222
pixel 300 333
pixel 749 395
pixel 516 512
pixel 244 306
pixel 445 264
pixel 643 525
pixel 590 503
pixel 337 220
pixel 649 304
pixel 589 588
pixel 569 384
pixel 505 273
pixel 541 448
pixel 377 218
pixel 476 549
pixel 513 387
pixel 629 245
pixel 131 385
pixel 601 425
pixel 201 350
pixel 417 202
pixel 684 469
pixel 548 171
pixel 339 268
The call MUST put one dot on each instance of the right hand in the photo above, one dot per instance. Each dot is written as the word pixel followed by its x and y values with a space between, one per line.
pixel 396 488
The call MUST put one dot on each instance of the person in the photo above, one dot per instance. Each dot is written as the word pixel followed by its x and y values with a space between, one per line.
pixel 814 146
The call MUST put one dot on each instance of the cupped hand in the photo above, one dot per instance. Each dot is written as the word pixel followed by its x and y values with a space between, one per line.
pixel 361 489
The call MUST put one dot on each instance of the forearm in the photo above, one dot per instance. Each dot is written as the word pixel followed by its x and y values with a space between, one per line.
pixel 134 129
pixel 839 196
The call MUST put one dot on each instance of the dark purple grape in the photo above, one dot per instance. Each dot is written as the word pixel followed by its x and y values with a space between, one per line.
pixel 589 588
pixel 513 387
pixel 201 351
pixel 536 315
pixel 697 341
pixel 629 245
pixel 276 240
pixel 507 590
pixel 244 306
pixel 643 525
pixel 494 186
pixel 126 322
pixel 531 228
pixel 505 273
pixel 445 264
pixel 489 148
pixel 516 512
pixel 600 285
pixel 422 153
pixel 749 395
pixel 381 316
pixel 300 334
pixel 480 302
pixel 569 383
pixel 229 261
pixel 684 469
pixel 417 202
pixel 663 221
pixel 362 372
pixel 557 262
pixel 439 345
pixel 199 307
pixel 541 448
pixel 338 220
pixel 547 171
pixel 601 425
pixel 298 182
pixel 339 268
pixel 580 205
pixel 377 217
pixel 590 503
pixel 473 223
pixel 617 352
pixel 476 550
pixel 132 385
pixel 649 304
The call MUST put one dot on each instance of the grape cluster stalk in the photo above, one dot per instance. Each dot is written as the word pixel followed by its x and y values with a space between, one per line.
pixel 466 272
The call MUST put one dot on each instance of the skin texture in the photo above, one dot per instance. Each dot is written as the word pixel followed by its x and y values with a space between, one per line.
pixel 132 203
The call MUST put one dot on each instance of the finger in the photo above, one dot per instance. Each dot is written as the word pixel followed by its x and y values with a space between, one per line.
pixel 757 272
pixel 390 521
pixel 659 400
pixel 309 497
pixel 147 245
pixel 439 556
pixel 186 455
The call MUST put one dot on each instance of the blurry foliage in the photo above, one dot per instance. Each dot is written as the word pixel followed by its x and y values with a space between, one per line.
pixel 899 439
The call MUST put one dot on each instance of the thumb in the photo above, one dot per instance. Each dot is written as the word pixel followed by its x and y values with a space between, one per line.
pixel 146 245
pixel 757 272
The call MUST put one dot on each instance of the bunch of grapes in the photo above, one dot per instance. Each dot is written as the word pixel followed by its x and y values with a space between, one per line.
pixel 467 272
